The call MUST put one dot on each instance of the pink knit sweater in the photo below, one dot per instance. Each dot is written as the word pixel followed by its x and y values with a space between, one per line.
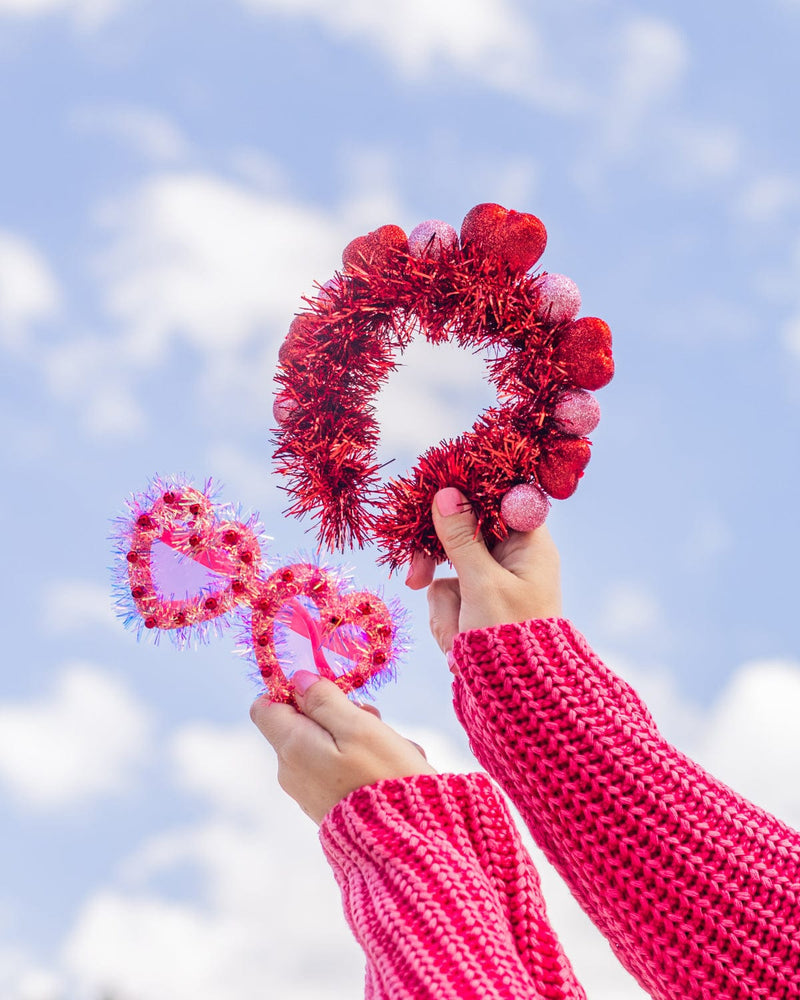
pixel 697 890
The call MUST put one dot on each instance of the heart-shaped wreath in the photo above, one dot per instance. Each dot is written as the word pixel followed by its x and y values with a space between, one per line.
pixel 477 292
pixel 186 563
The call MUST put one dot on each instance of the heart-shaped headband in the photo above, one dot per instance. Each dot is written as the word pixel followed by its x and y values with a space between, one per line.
pixel 187 564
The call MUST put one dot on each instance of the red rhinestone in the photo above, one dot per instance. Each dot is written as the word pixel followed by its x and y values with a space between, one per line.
pixel 237 586
pixel 149 623
pixel 180 618
pixel 195 509
pixel 263 639
pixel 144 521
pixel 194 541
pixel 383 631
pixel 230 537
pixel 169 497
pixel 211 603
pixel 365 608
pixel 246 557
pixel 138 592
pixel 379 657
pixel 132 557
pixel 335 620
pixel 287 576
pixel 263 606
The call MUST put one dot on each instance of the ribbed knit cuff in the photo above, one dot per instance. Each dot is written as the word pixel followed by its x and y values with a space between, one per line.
pixel 440 892
pixel 546 652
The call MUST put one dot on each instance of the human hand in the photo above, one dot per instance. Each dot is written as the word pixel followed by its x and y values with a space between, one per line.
pixel 330 746
pixel 518 580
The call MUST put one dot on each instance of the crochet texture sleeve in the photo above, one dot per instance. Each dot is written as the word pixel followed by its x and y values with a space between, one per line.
pixel 696 889
pixel 441 894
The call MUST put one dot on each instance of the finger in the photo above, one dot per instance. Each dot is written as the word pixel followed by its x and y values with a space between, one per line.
pixel 420 571
pixel 324 703
pixel 458 532
pixel 368 708
pixel 444 605
pixel 275 720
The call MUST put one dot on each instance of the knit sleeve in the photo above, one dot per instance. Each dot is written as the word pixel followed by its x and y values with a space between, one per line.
pixel 696 889
pixel 441 895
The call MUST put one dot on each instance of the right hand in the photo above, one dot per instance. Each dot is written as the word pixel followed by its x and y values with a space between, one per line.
pixel 517 581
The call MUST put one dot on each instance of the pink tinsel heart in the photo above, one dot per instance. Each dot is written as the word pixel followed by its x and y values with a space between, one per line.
pixel 187 564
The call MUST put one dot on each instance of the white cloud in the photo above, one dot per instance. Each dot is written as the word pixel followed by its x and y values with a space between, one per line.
pixel 266 894
pixel 437 393
pixel 708 537
pixel 87 13
pixel 246 480
pixel 790 335
pixel 94 373
pixel 705 319
pixel 752 740
pixel 149 133
pixel 84 740
pixel 195 256
pixel 630 610
pixel 653 57
pixel 701 151
pixel 781 285
pixel 73 605
pixel 22 979
pixel 29 292
pixel 193 260
pixel 767 198
pixel 112 411
pixel 485 39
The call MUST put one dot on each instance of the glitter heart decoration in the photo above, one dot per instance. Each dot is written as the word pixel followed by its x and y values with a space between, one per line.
pixel 188 565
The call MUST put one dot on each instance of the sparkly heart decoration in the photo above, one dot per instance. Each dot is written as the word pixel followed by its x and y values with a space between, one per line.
pixel 187 564
pixel 350 634
pixel 517 237
pixel 183 521
pixel 374 248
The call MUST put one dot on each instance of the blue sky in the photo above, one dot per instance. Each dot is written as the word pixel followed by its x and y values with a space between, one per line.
pixel 175 177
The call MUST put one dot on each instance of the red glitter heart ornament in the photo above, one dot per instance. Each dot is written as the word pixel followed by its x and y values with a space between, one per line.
pixel 374 249
pixel 584 353
pixel 561 466
pixel 517 237
pixel 350 637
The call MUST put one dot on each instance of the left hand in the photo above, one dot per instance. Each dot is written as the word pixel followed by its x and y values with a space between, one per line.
pixel 331 746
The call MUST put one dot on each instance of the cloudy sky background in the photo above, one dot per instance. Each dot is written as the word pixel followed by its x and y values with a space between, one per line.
pixel 175 176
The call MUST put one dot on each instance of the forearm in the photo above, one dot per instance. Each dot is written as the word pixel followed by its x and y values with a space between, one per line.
pixel 441 895
pixel 696 889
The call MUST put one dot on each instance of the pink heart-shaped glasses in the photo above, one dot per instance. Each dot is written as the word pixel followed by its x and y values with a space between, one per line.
pixel 186 563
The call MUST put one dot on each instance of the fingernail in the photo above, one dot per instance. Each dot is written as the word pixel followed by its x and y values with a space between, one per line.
pixel 450 501
pixel 451 661
pixel 303 679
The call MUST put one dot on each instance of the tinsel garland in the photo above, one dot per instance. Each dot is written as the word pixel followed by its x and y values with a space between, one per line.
pixel 478 293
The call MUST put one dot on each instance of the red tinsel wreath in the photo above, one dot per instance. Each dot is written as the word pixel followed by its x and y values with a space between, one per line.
pixel 478 292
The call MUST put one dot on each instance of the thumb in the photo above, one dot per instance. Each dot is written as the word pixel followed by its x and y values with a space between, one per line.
pixel 457 529
pixel 326 704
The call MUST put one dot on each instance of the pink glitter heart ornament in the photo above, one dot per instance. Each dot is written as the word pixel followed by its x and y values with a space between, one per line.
pixel 186 564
